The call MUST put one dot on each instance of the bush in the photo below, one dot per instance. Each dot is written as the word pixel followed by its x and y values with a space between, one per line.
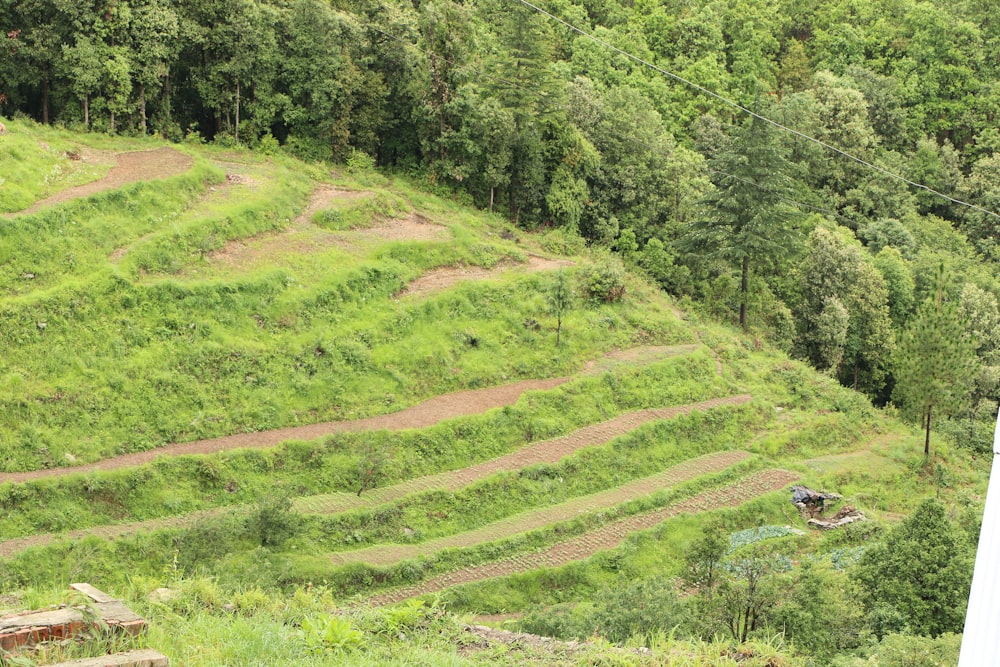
pixel 562 242
pixel 272 521
pixel 605 282
pixel 640 608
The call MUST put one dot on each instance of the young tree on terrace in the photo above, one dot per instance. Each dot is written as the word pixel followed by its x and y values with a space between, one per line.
pixel 936 366
pixel 748 218
pixel 559 300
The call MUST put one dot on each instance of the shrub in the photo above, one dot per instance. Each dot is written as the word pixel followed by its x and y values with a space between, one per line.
pixel 605 282
pixel 272 521
pixel 562 242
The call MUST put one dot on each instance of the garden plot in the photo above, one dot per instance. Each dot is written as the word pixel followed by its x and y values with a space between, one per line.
pixel 546 451
pixel 422 415
pixel 444 277
pixel 522 523
pixel 606 537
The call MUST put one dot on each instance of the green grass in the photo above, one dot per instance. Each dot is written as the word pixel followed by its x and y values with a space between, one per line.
pixel 34 161
pixel 184 484
pixel 186 309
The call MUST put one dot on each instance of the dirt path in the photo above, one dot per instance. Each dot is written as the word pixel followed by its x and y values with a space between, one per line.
pixel 545 451
pixel 129 168
pixel 448 276
pixel 422 415
pixel 600 539
pixel 544 516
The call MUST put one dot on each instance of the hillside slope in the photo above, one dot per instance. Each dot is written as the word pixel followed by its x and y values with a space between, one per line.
pixel 284 391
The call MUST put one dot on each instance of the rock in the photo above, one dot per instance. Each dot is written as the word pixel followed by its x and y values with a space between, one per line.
pixel 163 595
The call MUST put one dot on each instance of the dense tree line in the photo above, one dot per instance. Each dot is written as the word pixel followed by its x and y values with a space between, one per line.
pixel 827 256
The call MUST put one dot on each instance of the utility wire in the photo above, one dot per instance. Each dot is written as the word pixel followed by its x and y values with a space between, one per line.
pixel 785 199
pixel 407 42
pixel 487 75
pixel 431 54
pixel 765 119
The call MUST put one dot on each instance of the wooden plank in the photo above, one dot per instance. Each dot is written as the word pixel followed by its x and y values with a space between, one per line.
pixel 93 593
pixel 141 658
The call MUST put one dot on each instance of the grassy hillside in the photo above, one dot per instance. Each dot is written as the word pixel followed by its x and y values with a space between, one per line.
pixel 440 444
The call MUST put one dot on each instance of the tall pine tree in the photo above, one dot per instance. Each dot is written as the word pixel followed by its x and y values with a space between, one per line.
pixel 749 220
pixel 936 365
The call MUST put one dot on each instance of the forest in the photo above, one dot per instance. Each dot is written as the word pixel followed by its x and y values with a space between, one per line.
pixel 825 175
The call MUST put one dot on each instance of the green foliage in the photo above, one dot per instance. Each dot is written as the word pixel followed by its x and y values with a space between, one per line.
pixel 845 327
pixel 331 633
pixel 936 365
pixel 562 242
pixel 704 558
pixel 747 221
pixel 272 521
pixel 907 650
pixel 559 300
pixel 638 609
pixel 821 614
pixel 605 282
pixel 919 577
pixel 750 536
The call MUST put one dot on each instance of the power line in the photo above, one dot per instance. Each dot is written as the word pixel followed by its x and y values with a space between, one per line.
pixel 431 54
pixel 785 199
pixel 487 75
pixel 749 112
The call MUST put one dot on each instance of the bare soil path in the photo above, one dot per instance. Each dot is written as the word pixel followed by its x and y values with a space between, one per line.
pixel 422 415
pixel 444 277
pixel 129 168
pixel 545 451
pixel 600 539
pixel 539 518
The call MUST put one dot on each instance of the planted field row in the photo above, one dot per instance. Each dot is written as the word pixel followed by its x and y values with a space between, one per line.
pixel 600 539
pixel 546 451
pixel 448 276
pixel 682 472
pixel 422 415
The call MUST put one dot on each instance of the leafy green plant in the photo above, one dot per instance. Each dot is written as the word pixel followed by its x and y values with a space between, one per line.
pixel 753 535
pixel 331 633
pixel 404 616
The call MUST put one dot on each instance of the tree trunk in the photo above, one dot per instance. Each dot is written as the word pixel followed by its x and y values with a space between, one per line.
pixel 743 291
pixel 142 108
pixel 492 190
pixel 237 131
pixel 558 330
pixel 112 128
pixel 166 97
pixel 927 437
pixel 86 111
pixel 45 101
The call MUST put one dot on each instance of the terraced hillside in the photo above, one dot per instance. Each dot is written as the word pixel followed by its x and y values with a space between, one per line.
pixel 267 376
